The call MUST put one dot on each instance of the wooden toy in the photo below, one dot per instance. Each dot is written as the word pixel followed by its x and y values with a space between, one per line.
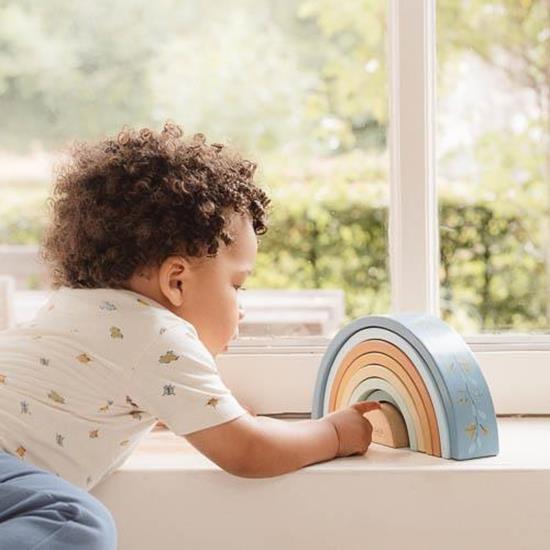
pixel 389 427
pixel 434 396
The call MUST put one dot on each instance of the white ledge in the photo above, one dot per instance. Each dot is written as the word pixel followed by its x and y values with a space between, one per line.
pixel 524 442
pixel 167 495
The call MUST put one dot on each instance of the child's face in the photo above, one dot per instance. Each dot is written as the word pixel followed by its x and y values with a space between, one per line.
pixel 205 292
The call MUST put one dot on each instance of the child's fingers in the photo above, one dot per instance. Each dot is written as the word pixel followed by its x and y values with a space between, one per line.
pixel 366 406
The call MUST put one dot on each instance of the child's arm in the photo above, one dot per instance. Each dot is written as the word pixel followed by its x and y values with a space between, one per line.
pixel 259 446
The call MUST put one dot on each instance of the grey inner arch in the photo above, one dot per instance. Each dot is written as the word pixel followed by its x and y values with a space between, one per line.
pixel 379 395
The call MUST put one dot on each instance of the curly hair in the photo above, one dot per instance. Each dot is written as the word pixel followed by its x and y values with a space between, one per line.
pixel 129 202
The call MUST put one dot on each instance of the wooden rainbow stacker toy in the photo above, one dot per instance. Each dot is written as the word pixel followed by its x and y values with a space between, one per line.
pixel 433 394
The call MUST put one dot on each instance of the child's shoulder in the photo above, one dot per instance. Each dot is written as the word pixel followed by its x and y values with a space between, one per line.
pixel 106 300
pixel 120 310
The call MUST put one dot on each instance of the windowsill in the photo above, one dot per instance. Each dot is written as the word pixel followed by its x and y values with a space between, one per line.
pixel 524 445
pixel 167 495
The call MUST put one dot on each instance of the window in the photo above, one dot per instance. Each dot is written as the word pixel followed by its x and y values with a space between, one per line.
pixel 515 364
pixel 493 165
pixel 398 186
pixel 298 86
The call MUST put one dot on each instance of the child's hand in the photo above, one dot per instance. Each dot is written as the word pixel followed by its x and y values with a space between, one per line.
pixel 353 429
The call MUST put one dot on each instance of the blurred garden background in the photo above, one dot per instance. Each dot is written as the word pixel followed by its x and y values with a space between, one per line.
pixel 301 87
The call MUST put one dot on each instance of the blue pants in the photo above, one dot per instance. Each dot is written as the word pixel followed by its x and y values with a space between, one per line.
pixel 41 511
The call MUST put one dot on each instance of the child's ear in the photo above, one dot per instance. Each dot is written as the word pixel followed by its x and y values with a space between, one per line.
pixel 173 274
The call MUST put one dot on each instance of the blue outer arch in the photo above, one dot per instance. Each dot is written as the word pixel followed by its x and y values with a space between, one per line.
pixel 467 401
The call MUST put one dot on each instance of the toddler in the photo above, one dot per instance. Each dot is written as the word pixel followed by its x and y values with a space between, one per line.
pixel 151 236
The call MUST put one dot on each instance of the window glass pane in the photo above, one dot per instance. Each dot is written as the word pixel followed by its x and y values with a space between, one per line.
pixel 493 164
pixel 298 86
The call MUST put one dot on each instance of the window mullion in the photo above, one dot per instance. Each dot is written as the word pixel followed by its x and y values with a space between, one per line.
pixel 414 227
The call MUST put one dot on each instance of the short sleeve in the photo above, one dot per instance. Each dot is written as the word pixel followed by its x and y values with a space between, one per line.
pixel 176 380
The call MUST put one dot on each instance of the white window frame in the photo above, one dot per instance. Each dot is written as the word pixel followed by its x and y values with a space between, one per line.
pixel 277 375
pixel 414 226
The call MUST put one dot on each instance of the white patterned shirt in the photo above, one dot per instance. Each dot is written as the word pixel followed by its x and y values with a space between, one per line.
pixel 85 380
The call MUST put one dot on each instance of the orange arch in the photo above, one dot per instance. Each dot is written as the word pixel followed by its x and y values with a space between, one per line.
pixel 415 407
pixel 391 357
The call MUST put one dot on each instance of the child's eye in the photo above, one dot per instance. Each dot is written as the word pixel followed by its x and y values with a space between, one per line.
pixel 240 288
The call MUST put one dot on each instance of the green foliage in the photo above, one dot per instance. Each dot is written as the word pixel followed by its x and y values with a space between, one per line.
pixel 20 228
pixel 328 236
pixel 350 102
pixel 320 236
pixel 80 70
pixel 302 87
pixel 492 269
pixel 492 265
pixel 23 212
pixel 516 28
pixel 72 69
